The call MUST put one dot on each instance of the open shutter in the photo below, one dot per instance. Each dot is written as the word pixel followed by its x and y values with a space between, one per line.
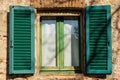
pixel 98 40
pixel 21 40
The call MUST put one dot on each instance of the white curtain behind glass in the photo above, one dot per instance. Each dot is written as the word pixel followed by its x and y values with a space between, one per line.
pixel 71 49
pixel 48 42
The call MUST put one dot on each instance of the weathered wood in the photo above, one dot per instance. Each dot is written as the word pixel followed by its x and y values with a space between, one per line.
pixel 57 3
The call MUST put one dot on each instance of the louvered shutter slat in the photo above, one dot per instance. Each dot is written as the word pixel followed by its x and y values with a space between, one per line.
pixel 98 40
pixel 21 40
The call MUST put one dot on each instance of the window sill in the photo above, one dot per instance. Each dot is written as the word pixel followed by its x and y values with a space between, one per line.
pixel 60 71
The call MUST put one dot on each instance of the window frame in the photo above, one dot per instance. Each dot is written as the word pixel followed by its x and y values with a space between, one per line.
pixel 60 68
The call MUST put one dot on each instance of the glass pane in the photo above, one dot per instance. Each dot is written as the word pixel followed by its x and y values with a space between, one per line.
pixel 71 43
pixel 48 42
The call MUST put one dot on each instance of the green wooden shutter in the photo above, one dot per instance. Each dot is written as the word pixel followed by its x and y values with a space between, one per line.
pixel 21 40
pixel 98 40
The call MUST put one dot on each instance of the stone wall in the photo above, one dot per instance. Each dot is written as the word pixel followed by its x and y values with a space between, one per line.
pixel 4 9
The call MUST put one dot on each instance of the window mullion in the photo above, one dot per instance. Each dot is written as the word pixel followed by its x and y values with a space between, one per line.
pixel 61 42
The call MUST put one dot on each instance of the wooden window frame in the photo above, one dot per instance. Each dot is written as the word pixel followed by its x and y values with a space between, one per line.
pixel 60 67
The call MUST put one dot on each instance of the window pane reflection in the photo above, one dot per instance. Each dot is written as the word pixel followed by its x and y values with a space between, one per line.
pixel 71 43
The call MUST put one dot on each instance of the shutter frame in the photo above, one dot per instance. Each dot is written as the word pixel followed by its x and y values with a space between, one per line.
pixel 11 40
pixel 109 40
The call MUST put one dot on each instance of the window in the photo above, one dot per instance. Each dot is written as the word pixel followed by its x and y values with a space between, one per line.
pixel 60 42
